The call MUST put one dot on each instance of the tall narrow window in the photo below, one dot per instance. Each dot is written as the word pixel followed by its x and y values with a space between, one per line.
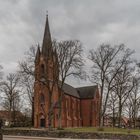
pixel 42 99
pixel 67 110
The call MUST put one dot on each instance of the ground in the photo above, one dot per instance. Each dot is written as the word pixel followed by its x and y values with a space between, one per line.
pixel 89 129
pixel 86 132
pixel 105 130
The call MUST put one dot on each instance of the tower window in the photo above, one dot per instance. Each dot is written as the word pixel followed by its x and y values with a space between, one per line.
pixel 42 69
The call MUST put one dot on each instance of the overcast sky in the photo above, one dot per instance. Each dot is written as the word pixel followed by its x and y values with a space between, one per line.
pixel 93 22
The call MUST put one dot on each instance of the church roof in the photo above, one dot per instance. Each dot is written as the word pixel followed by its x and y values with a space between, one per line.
pixel 70 90
pixel 87 92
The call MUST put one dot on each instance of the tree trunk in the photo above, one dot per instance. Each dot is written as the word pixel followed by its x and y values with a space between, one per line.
pixel 113 117
pixel 33 112
pixel 60 113
pixel 10 114
pixel 100 111
pixel 50 112
pixel 120 113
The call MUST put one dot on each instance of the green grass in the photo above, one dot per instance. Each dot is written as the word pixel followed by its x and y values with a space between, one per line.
pixel 89 129
pixel 105 130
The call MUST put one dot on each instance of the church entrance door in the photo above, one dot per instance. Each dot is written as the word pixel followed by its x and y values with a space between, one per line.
pixel 42 122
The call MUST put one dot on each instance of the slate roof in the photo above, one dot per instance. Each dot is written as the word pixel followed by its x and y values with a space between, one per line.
pixel 70 90
pixel 87 92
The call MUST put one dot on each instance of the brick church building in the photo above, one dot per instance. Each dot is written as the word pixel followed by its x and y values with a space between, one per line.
pixel 80 106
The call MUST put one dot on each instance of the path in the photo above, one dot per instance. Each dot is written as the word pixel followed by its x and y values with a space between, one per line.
pixel 7 137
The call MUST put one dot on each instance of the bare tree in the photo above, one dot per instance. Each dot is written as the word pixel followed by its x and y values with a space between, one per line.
pixel 27 65
pixel 104 60
pixel 27 77
pixel 124 84
pixel 124 58
pixel 10 88
pixel 132 104
pixel 112 107
pixel 70 63
pixel 26 71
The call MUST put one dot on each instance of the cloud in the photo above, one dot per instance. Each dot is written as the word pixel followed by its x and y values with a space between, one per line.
pixel 93 22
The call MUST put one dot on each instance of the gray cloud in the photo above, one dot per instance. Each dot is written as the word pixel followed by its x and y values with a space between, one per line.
pixel 91 21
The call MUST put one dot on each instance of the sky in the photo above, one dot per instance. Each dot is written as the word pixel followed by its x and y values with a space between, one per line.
pixel 93 22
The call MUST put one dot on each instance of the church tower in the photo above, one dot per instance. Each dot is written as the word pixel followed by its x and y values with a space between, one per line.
pixel 46 72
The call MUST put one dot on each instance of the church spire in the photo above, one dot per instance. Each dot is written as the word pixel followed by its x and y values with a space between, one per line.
pixel 47 42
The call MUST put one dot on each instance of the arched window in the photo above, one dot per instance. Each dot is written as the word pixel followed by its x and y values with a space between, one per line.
pixel 42 99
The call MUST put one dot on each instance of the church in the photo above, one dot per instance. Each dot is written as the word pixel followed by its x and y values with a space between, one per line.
pixel 80 106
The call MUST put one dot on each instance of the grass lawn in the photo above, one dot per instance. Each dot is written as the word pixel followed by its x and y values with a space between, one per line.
pixel 88 129
pixel 105 130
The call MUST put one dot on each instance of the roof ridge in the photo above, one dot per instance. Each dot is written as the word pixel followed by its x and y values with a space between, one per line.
pixel 87 86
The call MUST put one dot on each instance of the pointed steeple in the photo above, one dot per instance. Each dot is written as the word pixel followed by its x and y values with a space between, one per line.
pixel 47 42
pixel 37 54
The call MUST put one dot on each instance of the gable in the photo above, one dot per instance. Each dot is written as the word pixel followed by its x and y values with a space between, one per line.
pixel 87 92
pixel 70 90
